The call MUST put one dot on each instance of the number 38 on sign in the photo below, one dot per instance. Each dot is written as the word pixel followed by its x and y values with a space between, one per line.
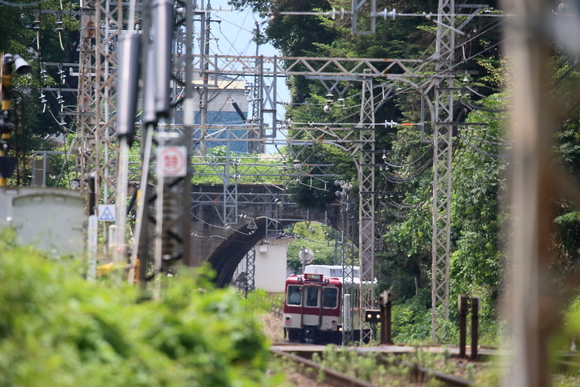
pixel 172 161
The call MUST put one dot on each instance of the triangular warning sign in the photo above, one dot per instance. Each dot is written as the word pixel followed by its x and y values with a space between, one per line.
pixel 107 213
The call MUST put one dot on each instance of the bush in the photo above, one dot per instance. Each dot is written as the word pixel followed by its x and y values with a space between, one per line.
pixel 57 329
pixel 411 322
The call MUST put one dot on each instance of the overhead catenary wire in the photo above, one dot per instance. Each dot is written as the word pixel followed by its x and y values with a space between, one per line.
pixel 478 150
pixel 474 106
pixel 411 176
pixel 496 141
pixel 391 165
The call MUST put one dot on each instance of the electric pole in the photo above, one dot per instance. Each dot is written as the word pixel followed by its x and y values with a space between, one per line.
pixel 442 151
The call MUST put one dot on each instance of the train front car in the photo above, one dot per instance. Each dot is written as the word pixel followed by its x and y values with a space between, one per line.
pixel 312 309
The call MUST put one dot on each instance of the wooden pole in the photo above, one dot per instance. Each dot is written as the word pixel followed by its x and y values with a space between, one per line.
pixel 530 193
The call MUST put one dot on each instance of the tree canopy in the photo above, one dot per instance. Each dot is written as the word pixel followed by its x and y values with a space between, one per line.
pixel 30 30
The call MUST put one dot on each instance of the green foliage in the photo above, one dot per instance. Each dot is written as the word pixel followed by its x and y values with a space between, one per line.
pixel 405 266
pixel 58 329
pixel 476 263
pixel 381 370
pixel 319 241
pixel 567 149
pixel 294 35
pixel 411 322
pixel 251 168
pixel 32 122
pixel 566 341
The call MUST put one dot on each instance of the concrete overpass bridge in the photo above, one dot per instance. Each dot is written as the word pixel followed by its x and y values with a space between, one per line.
pixel 227 221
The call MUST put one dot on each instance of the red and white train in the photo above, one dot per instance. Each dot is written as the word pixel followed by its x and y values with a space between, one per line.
pixel 315 305
pixel 312 309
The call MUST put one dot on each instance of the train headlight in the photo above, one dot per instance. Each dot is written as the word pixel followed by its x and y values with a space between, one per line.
pixel 333 323
pixel 287 320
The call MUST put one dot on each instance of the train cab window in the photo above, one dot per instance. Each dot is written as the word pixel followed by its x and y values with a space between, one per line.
pixel 311 296
pixel 294 297
pixel 330 297
pixel 336 273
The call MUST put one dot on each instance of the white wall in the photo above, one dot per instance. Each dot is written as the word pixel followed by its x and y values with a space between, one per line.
pixel 270 266
pixel 50 218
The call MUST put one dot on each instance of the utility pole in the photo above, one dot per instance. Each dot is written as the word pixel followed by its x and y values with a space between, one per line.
pixel 533 304
pixel 204 67
pixel 256 101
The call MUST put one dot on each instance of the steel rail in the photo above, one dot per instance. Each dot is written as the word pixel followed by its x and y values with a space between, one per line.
pixel 331 376
pixel 336 378
pixel 448 380
pixel 423 373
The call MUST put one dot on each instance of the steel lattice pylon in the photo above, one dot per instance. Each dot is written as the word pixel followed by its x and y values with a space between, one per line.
pixel 442 139
pixel 110 16
pixel 366 180
pixel 101 23
pixel 250 284
pixel 86 123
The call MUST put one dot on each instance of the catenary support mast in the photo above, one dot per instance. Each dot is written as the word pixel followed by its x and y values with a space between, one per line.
pixel 442 151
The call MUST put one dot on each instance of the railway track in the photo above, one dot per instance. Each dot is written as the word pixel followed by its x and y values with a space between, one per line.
pixel 335 378
pixel 314 369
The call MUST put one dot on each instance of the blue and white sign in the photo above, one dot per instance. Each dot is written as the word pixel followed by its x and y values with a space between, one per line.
pixel 106 212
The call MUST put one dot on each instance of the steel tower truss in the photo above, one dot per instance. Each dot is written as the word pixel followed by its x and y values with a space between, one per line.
pixel 101 24
pixel 109 15
pixel 366 180
pixel 86 122
pixel 442 151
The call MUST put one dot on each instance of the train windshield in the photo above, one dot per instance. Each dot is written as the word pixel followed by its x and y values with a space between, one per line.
pixel 312 296
pixel 294 297
pixel 336 273
pixel 330 297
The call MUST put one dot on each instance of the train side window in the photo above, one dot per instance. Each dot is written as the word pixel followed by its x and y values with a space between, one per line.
pixel 311 296
pixel 294 296
pixel 330 297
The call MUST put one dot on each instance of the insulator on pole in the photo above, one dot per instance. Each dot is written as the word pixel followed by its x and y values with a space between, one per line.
pixel 128 85
pixel 163 23
pixel 239 111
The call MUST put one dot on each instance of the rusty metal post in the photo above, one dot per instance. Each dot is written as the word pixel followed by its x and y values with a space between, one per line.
pixel 385 304
pixel 462 299
pixel 474 326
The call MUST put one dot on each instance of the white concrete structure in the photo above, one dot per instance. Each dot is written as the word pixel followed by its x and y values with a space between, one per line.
pixel 52 219
pixel 269 265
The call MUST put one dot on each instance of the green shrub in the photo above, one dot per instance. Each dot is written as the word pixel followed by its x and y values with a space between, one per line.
pixel 57 329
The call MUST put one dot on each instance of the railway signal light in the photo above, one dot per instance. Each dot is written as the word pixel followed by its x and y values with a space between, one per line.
pixel 21 67
pixel 372 316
